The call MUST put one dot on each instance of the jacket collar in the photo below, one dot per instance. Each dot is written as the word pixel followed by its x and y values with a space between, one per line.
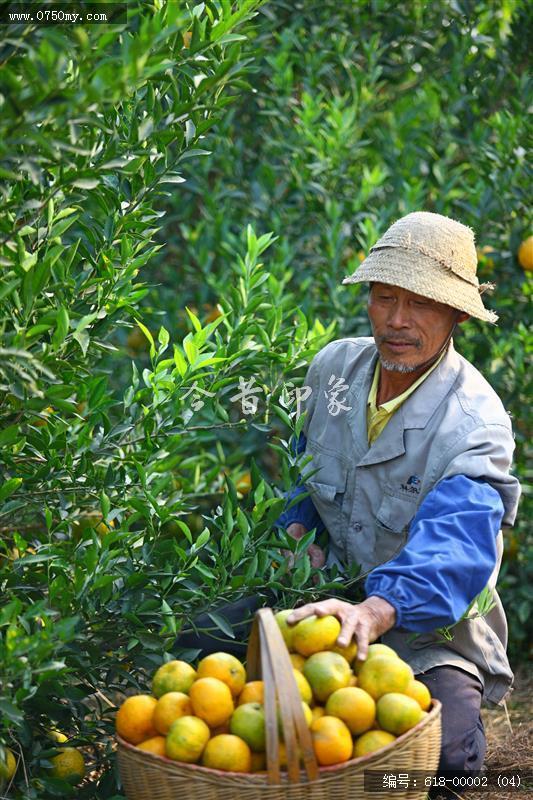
pixel 415 412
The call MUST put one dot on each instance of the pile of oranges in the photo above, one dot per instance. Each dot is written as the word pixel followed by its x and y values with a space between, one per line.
pixel 213 716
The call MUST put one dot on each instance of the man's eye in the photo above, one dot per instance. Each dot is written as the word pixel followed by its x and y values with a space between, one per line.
pixel 384 297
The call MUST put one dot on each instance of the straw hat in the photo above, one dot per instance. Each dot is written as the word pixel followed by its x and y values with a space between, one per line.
pixel 431 255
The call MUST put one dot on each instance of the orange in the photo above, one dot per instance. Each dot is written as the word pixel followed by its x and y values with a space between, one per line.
pixel 283 755
pixel 354 706
pixel 379 649
pixel 349 652
pixel 253 692
pixel 212 312
pixel 244 484
pixel 313 634
pixel 371 741
pixel 8 766
pixel 174 676
pixel 317 712
pixel 69 765
pixel 227 752
pixel 353 680
pixel 525 254
pixel 186 739
pixel 297 661
pixel 332 741
pixel 211 701
pixel 303 686
pixel 169 708
pixel 397 713
pixel 258 762
pixel 308 714
pixel 287 631
pixel 57 736
pixel 382 674
pixel 326 672
pixel 226 668
pixel 93 521
pixel 376 649
pixel 248 722
pixel 157 745
pixel 134 718
pixel 42 422
pixel 104 527
pixel 419 692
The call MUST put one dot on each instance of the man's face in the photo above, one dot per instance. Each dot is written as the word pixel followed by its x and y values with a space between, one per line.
pixel 408 329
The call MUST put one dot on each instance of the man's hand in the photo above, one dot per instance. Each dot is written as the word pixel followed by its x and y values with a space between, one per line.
pixel 366 621
pixel 316 555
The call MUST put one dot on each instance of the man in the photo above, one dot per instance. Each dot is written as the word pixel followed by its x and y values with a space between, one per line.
pixel 411 476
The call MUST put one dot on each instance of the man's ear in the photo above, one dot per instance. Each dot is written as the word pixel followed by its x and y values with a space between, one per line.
pixel 462 317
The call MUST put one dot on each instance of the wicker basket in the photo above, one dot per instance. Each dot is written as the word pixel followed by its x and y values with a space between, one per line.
pixel 146 776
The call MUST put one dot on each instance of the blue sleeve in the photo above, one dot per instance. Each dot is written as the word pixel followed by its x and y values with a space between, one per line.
pixel 448 559
pixel 304 511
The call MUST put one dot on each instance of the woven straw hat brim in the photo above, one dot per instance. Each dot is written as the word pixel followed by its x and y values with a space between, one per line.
pixel 420 274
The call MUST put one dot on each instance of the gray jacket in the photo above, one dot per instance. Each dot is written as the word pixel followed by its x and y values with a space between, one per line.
pixel 452 424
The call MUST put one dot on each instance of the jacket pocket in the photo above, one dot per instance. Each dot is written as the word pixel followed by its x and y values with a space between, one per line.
pixel 328 500
pixel 324 492
pixel 391 527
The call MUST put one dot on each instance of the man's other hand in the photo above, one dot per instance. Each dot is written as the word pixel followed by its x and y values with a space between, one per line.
pixel 366 621
pixel 317 557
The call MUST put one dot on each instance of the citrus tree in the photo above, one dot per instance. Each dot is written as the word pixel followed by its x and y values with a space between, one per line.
pixel 107 464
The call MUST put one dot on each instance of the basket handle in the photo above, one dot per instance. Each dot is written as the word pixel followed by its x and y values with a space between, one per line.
pixel 268 656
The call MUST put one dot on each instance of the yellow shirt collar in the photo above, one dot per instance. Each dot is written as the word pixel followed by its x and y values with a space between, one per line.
pixel 378 416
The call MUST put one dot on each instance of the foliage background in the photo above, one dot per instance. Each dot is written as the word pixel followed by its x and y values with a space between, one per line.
pixel 222 157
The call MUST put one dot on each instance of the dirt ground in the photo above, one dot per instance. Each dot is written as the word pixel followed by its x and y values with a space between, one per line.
pixel 510 738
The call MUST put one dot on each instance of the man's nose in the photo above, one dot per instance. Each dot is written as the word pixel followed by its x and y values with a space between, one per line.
pixel 399 316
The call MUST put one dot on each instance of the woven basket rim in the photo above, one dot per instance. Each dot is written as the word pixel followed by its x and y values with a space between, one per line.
pixel 259 777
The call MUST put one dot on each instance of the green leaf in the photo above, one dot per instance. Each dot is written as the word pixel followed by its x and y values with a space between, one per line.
pixel 11 711
pixel 172 179
pixel 202 539
pixel 148 336
pixel 194 319
pixel 180 362
pixel 222 623
pixel 105 504
pixel 186 530
pixel 62 326
pixel 163 337
pixel 9 487
pixel 86 183
pixel 283 416
pixel 10 435
pixel 191 350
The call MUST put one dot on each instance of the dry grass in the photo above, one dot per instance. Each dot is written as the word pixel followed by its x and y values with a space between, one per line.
pixel 509 739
